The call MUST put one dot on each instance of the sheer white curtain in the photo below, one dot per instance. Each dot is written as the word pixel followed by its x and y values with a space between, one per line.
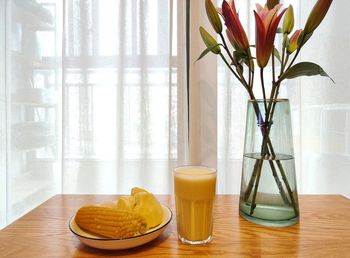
pixel 320 110
pixel 119 95
pixel 93 98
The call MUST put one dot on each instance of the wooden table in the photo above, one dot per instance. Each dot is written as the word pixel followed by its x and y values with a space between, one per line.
pixel 324 231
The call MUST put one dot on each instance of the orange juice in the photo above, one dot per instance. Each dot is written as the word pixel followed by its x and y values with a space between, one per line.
pixel 194 196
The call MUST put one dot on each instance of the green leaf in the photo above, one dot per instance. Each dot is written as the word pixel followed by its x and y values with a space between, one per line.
pixel 240 57
pixel 206 51
pixel 304 69
pixel 276 53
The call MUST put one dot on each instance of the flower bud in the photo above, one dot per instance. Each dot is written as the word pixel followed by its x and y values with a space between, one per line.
pixel 272 3
pixel 209 41
pixel 233 23
pixel 317 14
pixel 213 16
pixel 288 22
pixel 293 41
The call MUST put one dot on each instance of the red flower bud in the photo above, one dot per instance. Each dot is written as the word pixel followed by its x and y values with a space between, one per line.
pixel 234 25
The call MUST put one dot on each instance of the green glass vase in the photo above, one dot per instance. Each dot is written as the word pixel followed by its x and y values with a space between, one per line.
pixel 268 193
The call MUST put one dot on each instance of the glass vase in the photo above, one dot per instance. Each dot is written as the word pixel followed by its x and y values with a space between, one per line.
pixel 268 193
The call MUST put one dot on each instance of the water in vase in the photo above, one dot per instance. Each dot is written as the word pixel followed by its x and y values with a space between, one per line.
pixel 274 201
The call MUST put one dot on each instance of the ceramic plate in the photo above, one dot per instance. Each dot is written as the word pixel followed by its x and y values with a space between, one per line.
pixel 120 243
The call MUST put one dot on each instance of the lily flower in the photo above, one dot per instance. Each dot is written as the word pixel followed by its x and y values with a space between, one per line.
pixel 317 14
pixel 266 26
pixel 234 25
pixel 293 41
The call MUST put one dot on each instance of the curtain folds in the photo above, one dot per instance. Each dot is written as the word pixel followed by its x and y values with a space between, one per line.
pixel 120 87
pixel 93 100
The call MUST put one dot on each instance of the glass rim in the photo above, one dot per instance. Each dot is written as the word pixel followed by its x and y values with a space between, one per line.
pixel 178 169
pixel 269 100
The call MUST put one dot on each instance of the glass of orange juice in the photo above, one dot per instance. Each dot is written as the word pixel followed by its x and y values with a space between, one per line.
pixel 194 188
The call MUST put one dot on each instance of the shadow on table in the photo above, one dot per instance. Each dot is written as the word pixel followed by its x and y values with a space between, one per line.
pixel 84 249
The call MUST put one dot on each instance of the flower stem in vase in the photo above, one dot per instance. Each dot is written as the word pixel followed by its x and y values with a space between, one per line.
pixel 268 154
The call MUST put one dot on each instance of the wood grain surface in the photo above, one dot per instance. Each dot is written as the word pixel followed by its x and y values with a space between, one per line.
pixel 324 231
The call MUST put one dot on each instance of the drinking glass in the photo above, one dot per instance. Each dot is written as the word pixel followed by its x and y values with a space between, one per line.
pixel 194 188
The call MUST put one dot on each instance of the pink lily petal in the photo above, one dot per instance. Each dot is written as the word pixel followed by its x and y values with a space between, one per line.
pixel 270 36
pixel 259 8
pixel 267 15
pixel 260 39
